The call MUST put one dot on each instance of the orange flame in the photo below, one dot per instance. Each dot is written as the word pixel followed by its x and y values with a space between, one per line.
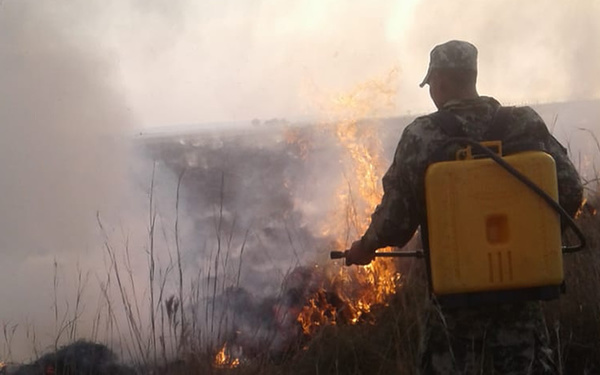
pixel 224 360
pixel 586 208
pixel 301 144
pixel 316 313
pixel 359 288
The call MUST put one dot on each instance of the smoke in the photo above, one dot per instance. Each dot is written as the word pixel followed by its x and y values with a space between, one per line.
pixel 59 118
pixel 62 158
pixel 225 61
pixel 528 52
pixel 199 62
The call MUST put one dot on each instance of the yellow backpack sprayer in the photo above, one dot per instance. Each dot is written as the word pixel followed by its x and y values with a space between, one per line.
pixel 493 227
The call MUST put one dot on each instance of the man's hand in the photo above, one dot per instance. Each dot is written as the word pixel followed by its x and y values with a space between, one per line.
pixel 359 255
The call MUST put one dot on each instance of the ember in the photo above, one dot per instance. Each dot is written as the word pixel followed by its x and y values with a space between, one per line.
pixel 587 208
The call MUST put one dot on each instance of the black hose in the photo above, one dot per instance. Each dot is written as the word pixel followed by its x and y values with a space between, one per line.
pixel 510 169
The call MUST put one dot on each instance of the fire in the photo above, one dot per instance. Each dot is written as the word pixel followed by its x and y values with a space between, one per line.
pixel 586 208
pixel 299 142
pixel 357 288
pixel 225 360
pixel 317 312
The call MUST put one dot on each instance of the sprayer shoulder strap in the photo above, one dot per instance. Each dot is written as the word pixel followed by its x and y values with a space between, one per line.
pixel 497 131
pixel 451 126
pixel 511 145
pixel 500 121
pixel 448 123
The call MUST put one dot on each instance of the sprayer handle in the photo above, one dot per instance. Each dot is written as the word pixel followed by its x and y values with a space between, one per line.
pixel 338 254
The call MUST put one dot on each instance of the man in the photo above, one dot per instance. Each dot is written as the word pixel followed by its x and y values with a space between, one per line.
pixel 501 339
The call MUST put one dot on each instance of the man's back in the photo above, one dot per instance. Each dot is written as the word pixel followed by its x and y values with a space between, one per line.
pixel 524 129
pixel 504 339
pixel 456 340
pixel 402 208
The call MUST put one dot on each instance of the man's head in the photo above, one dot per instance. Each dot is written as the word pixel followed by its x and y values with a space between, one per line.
pixel 452 72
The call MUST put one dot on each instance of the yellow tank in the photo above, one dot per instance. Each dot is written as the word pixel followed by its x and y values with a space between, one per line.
pixel 487 230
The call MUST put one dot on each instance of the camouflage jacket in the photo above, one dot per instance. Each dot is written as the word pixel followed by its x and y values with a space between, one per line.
pixel 402 208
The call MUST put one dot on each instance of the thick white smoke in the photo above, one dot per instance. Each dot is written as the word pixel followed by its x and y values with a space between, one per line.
pixel 529 52
pixel 62 158
pixel 262 59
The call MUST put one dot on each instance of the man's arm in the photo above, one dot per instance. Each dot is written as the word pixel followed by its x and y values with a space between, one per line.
pixel 529 125
pixel 394 221
pixel 570 189
pixel 396 218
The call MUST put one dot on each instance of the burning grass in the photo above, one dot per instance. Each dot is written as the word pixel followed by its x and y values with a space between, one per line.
pixel 388 341
pixel 385 337
pixel 325 318
pixel 385 342
pixel 316 324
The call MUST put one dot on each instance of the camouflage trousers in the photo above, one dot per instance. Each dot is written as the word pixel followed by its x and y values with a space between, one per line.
pixel 502 339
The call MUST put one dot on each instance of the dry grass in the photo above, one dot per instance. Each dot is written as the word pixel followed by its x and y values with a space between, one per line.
pixel 574 319
pixel 170 344
pixel 391 345
pixel 388 346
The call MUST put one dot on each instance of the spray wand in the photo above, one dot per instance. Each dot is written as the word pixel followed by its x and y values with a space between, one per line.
pixel 387 254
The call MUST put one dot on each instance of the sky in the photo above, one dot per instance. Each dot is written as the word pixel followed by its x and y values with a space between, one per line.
pixel 223 61
pixel 78 77
pixel 182 62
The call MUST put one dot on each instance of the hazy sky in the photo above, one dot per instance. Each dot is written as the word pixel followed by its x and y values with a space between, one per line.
pixel 187 61
pixel 237 60
pixel 234 60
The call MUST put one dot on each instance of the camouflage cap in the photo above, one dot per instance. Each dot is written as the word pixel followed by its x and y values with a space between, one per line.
pixel 454 54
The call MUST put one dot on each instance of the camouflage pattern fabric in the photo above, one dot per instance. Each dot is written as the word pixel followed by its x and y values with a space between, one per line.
pixel 506 339
pixel 455 54
pixel 402 208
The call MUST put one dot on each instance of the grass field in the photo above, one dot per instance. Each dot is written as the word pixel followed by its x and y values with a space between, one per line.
pixel 385 342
